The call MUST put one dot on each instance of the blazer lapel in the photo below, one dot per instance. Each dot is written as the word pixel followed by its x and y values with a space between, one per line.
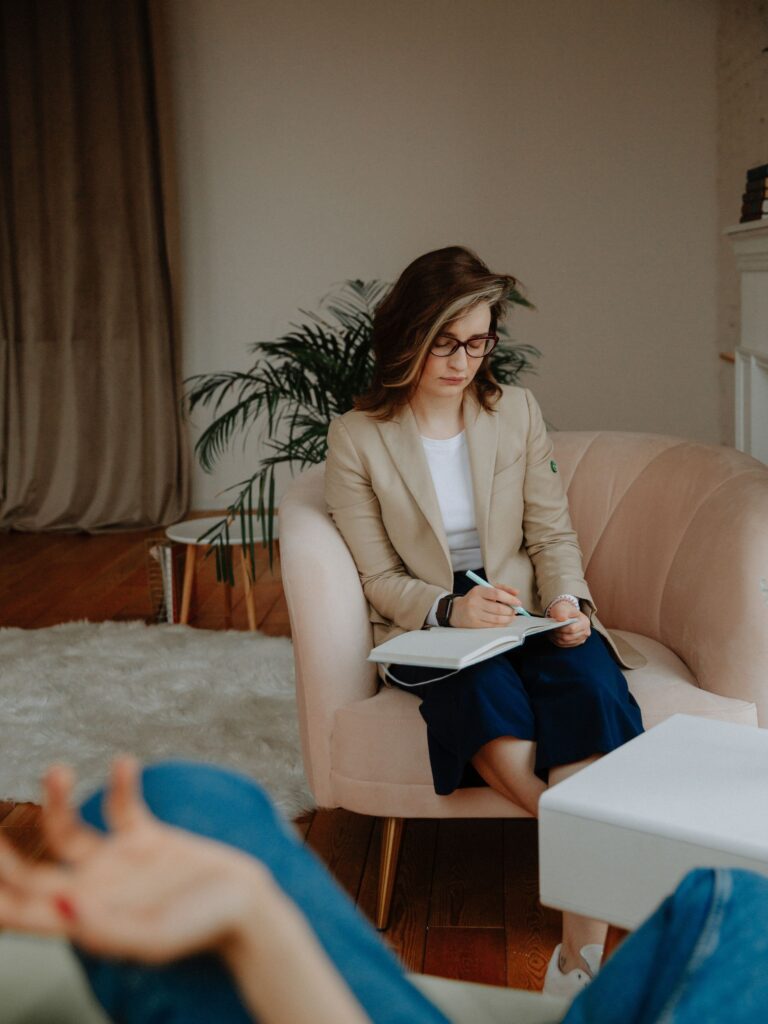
pixel 403 442
pixel 482 441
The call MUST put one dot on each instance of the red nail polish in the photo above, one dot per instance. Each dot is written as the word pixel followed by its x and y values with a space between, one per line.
pixel 65 907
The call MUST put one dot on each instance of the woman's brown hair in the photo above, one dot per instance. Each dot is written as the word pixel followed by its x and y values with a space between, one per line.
pixel 432 291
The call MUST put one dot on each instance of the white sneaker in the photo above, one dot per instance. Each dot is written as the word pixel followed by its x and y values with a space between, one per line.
pixel 593 954
pixel 569 985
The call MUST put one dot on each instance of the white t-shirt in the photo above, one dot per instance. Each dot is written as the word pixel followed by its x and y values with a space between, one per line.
pixel 448 462
pixel 449 466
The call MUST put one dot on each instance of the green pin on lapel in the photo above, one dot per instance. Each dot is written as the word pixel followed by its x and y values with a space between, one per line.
pixel 553 465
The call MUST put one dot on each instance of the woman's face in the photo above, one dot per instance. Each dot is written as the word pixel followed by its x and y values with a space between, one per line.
pixel 444 376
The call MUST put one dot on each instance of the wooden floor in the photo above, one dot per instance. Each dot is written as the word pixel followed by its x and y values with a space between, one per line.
pixel 465 903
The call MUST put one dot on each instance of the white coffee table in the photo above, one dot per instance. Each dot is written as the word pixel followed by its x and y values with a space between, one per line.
pixel 191 533
pixel 617 838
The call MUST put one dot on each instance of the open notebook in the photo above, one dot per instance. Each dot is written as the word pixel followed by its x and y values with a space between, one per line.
pixel 446 647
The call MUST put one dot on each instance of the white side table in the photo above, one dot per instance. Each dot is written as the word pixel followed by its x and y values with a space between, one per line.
pixel 189 534
pixel 616 838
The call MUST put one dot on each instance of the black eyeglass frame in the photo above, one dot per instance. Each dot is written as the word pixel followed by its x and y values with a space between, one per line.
pixel 491 336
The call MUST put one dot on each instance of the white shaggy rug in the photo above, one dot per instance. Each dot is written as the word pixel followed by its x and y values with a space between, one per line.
pixel 82 692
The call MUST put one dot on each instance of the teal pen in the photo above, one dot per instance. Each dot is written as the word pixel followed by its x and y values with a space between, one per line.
pixel 519 610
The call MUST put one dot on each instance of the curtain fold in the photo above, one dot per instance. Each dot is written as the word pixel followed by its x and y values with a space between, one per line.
pixel 91 430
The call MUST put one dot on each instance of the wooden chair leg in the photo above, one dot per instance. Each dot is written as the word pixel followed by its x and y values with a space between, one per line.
pixel 189 578
pixel 227 605
pixel 248 590
pixel 391 837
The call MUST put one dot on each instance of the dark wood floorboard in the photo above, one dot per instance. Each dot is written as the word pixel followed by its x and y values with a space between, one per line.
pixel 343 841
pixel 532 930
pixel 465 903
pixel 463 857
pixel 468 954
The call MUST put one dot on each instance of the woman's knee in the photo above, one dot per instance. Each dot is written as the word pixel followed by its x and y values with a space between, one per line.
pixel 507 765
pixel 202 798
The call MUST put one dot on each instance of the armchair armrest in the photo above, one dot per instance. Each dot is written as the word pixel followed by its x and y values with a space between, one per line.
pixel 331 631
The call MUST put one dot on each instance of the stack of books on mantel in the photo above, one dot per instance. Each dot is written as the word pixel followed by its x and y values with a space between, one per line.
pixel 754 201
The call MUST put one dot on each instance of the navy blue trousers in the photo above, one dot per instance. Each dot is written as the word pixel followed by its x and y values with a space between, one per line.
pixel 573 702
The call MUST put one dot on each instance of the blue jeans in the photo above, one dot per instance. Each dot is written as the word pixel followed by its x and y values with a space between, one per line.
pixel 228 807
pixel 702 957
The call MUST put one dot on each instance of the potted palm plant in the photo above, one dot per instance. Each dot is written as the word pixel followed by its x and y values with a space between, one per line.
pixel 296 386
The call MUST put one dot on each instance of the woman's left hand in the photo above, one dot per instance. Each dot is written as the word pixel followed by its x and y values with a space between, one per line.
pixel 575 633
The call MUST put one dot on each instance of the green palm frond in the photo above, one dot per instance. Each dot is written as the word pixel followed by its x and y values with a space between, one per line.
pixel 296 386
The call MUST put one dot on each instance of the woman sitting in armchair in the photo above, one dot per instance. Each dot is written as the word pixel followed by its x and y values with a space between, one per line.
pixel 440 470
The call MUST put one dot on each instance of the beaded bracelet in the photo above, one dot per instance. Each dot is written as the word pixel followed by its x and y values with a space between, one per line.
pixel 564 597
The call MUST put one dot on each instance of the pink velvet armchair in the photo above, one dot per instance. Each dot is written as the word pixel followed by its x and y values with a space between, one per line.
pixel 675 542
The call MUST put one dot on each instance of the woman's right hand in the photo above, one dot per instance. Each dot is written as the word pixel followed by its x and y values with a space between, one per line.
pixel 485 607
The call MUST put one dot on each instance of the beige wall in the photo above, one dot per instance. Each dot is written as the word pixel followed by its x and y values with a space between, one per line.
pixel 571 142
pixel 742 87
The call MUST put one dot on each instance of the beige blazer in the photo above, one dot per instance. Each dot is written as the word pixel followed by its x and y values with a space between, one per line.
pixel 379 490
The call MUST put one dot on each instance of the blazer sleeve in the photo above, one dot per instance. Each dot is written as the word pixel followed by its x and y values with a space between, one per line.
pixel 397 596
pixel 549 537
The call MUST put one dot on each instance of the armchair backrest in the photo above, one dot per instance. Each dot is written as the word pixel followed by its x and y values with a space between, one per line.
pixel 674 536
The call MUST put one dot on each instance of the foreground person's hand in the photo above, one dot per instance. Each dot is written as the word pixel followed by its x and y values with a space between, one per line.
pixel 147 891
pixel 144 891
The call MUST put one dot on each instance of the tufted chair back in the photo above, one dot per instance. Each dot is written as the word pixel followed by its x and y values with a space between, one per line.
pixel 674 536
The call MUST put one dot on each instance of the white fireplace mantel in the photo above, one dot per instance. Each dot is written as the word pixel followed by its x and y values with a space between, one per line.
pixel 750 244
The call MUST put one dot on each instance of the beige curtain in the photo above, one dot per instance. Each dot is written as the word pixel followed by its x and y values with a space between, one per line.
pixel 91 435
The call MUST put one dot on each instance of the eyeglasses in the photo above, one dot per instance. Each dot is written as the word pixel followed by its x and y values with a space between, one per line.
pixel 475 347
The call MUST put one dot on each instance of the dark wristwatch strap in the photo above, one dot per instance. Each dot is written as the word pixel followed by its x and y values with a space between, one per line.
pixel 444 609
